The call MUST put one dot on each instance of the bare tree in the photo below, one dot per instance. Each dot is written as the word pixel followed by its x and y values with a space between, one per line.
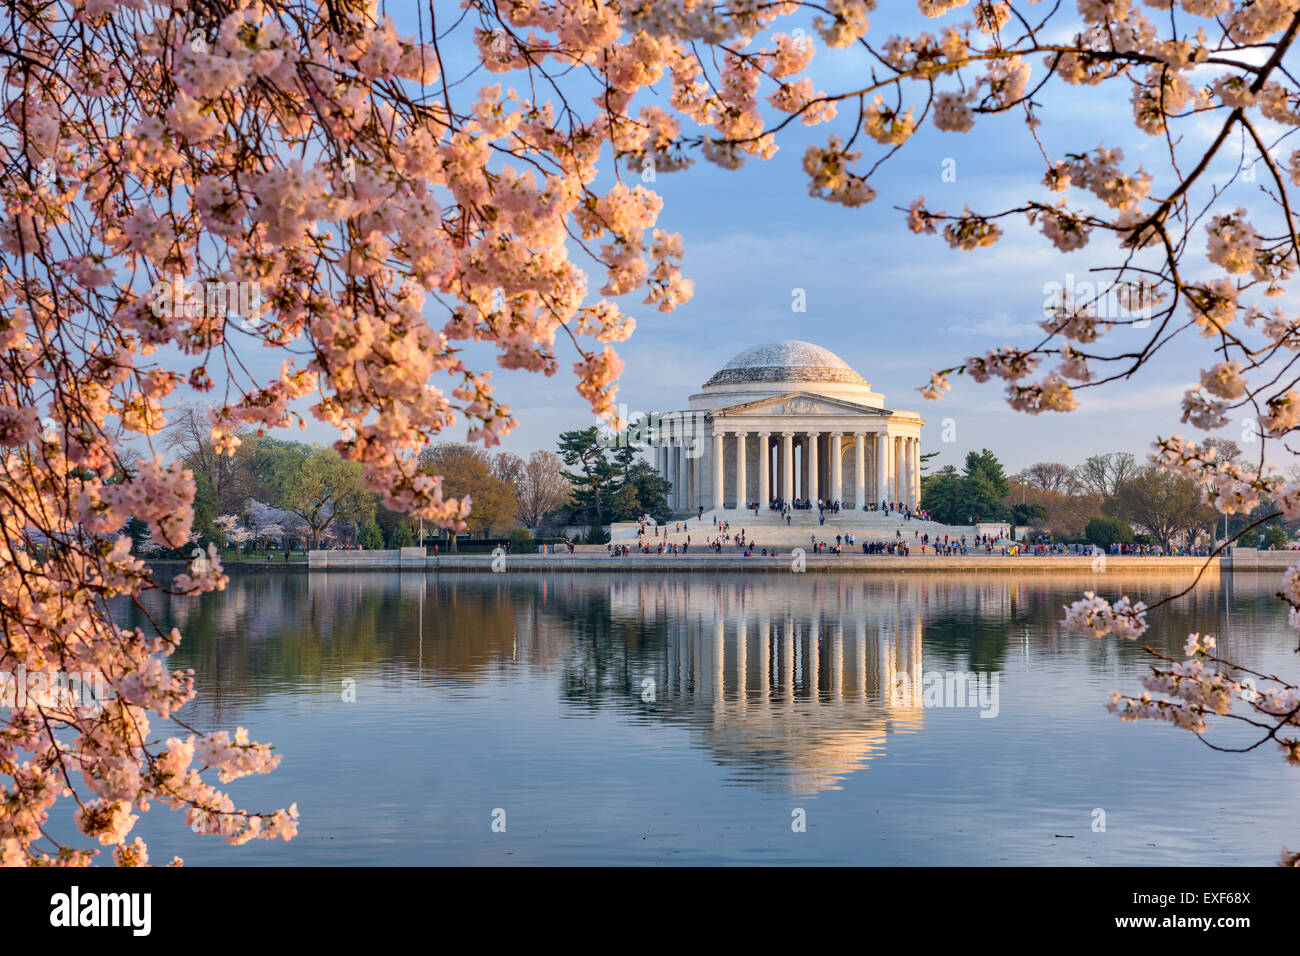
pixel 188 437
pixel 507 467
pixel 542 488
pixel 1104 474
pixel 1165 504
pixel 1050 476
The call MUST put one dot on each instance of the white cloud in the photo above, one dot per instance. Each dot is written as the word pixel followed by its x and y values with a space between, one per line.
pixel 999 325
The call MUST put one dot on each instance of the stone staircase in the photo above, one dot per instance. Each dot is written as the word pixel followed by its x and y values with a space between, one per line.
pixel 769 528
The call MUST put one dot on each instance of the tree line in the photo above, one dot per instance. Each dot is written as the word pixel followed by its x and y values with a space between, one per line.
pixel 285 494
pixel 277 493
pixel 1105 498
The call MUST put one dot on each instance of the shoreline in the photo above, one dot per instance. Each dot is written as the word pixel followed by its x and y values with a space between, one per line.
pixel 781 564
pixel 600 562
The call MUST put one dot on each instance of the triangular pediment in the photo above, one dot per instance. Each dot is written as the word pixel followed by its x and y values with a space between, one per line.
pixel 798 403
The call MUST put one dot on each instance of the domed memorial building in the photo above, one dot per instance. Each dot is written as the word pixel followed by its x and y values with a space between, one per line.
pixel 791 421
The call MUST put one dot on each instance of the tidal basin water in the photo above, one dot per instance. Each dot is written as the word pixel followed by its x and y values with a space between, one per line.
pixel 698 718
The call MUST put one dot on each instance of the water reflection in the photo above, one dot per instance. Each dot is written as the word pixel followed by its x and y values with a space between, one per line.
pixel 789 683
pixel 785 694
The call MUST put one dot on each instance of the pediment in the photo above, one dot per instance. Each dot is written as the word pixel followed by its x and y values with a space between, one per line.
pixel 799 404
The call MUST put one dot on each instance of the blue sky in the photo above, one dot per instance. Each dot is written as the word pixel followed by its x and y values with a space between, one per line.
pixel 891 304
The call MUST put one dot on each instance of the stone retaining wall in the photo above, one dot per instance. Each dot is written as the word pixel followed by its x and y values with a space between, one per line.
pixel 1248 559
pixel 413 558
pixel 812 563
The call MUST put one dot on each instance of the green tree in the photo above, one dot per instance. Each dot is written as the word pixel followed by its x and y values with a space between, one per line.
pixel 206 507
pixel 642 492
pixel 372 539
pixel 1104 532
pixel 1274 536
pixel 1028 514
pixel 941 495
pixel 521 539
pixel 594 477
pixel 315 483
pixel 403 536
pixel 984 488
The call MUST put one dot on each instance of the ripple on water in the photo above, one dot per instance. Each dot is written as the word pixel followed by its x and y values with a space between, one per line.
pixel 689 719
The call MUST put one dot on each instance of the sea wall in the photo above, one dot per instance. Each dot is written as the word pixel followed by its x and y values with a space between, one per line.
pixel 410 559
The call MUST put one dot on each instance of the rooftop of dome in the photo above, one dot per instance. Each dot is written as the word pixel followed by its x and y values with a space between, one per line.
pixel 788 361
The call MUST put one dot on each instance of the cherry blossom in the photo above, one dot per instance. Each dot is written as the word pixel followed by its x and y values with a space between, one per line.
pixel 372 216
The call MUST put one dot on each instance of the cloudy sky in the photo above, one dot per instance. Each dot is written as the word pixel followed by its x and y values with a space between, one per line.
pixel 892 304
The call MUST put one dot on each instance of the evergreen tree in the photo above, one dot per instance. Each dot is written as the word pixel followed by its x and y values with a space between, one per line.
pixel 984 488
pixel 372 539
pixel 594 476
pixel 942 496
pixel 403 536
pixel 643 492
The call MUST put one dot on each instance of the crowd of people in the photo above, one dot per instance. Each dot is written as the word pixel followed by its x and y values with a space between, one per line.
pixel 653 539
pixel 825 506
pixel 1147 549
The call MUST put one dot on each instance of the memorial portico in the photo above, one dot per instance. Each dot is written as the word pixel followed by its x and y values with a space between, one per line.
pixel 791 421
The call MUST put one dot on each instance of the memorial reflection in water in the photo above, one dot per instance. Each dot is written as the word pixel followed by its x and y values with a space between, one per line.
pixel 789 686
pixel 782 690
pixel 650 717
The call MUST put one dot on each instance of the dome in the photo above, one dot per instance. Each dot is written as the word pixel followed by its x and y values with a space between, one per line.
pixel 788 361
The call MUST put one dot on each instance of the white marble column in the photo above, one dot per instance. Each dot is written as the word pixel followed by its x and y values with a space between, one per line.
pixel 904 472
pixel 802 444
pixel 882 463
pixel 741 498
pixel 764 469
pixel 837 469
pixel 811 489
pixel 859 471
pixel 887 467
pixel 895 486
pixel 916 455
pixel 775 466
pixel 674 475
pixel 907 471
pixel 912 487
pixel 916 471
pixel 719 473
pixel 787 466
pixel 898 469
pixel 892 492
pixel 683 479
pixel 873 467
